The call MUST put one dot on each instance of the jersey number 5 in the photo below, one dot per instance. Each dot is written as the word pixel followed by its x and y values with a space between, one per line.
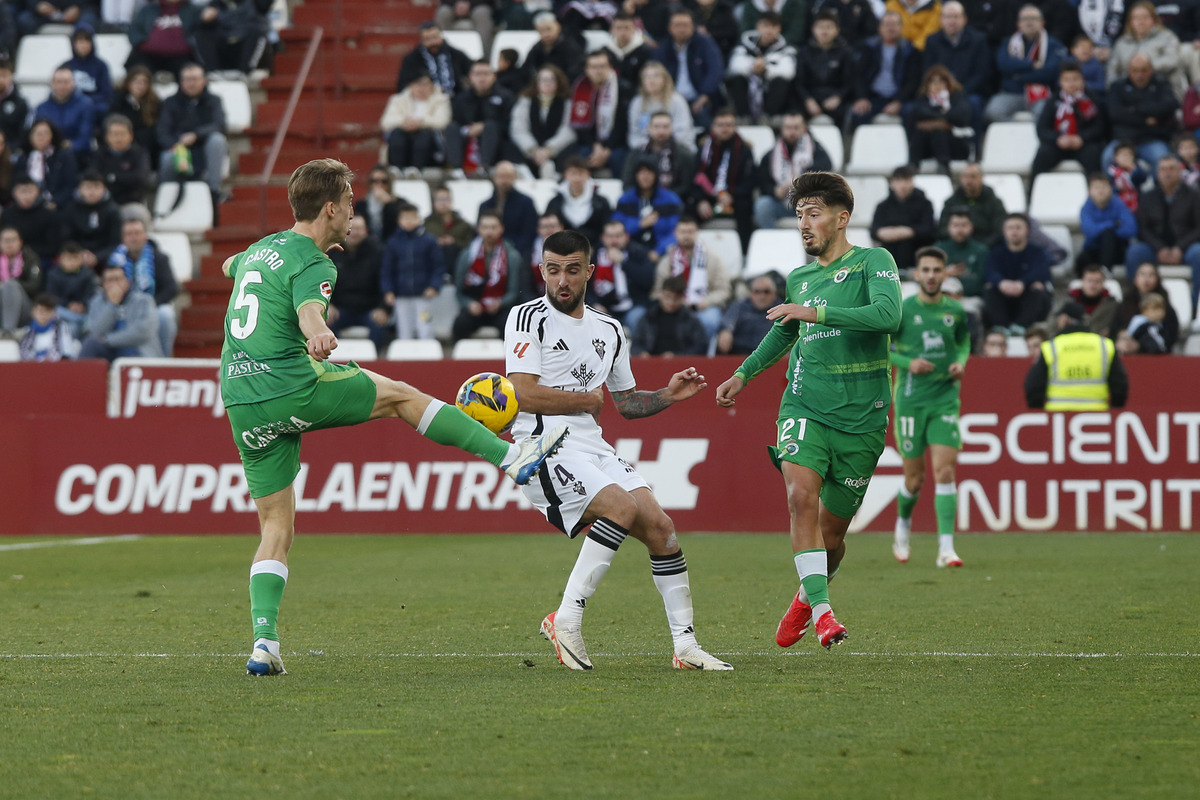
pixel 248 301
pixel 785 432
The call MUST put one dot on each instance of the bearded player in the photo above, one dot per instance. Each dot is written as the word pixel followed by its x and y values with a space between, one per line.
pixel 835 324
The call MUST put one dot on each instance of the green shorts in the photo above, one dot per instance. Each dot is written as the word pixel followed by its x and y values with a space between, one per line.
pixel 845 461
pixel 917 428
pixel 267 434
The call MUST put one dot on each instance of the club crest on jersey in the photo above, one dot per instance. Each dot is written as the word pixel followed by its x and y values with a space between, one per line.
pixel 599 345
pixel 948 320
pixel 326 289
pixel 841 275
pixel 917 319
pixel 583 374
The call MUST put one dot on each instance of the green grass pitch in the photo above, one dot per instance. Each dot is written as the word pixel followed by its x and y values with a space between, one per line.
pixel 1052 666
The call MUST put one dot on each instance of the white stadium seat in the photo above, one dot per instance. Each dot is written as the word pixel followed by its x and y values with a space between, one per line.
pixel 541 191
pixel 1061 235
pixel 937 188
pixel 478 350
pixel 10 350
pixel 773 250
pixel 830 137
pixel 415 350
pixel 35 94
pixel 178 248
pixel 596 40
pixel 469 43
pixel 610 189
pixel 727 246
pixel 1010 189
pixel 521 41
pixel 193 215
pixel 38 56
pixel 859 236
pixel 1057 198
pixel 869 191
pixel 760 138
pixel 235 98
pixel 1009 147
pixel 354 350
pixel 1016 347
pixel 466 195
pixel 113 49
pixel 415 191
pixel 1179 292
pixel 878 149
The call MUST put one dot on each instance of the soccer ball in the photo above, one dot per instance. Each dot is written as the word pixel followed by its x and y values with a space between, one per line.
pixel 490 399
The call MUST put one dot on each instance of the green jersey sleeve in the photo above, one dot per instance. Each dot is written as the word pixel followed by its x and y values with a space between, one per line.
pixel 314 283
pixel 882 313
pixel 775 345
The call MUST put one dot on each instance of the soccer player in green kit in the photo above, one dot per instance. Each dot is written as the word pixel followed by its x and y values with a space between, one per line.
pixel 834 323
pixel 277 382
pixel 929 353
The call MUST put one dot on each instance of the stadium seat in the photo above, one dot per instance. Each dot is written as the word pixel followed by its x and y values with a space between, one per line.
pixel 10 350
pixel 610 189
pixel 354 350
pixel 877 149
pixel 760 138
pixel 859 236
pixel 1057 198
pixel 869 191
pixel 193 215
pixel 469 43
pixel 773 250
pixel 178 248
pixel 478 350
pixel 521 41
pixel 466 195
pixel 908 289
pixel 830 137
pixel 113 49
pixel 728 247
pixel 541 191
pixel 38 56
pixel 1010 189
pixel 415 191
pixel 596 40
pixel 1061 235
pixel 415 350
pixel 1009 147
pixel 1179 292
pixel 235 98
pixel 1016 347
pixel 35 94
pixel 937 188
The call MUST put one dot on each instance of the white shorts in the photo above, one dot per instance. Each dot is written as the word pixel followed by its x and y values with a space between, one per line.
pixel 568 481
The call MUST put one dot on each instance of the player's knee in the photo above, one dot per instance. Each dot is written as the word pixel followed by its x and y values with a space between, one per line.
pixel 620 507
pixel 802 499
pixel 945 474
pixel 660 533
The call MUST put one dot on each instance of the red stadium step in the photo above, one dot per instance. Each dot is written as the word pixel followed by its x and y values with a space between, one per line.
pixel 353 62
pixel 398 16
pixel 360 159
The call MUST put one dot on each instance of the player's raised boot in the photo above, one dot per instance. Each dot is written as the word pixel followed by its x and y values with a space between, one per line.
pixel 263 662
pixel 949 558
pixel 794 624
pixel 695 658
pixel 830 631
pixel 534 453
pixel 568 644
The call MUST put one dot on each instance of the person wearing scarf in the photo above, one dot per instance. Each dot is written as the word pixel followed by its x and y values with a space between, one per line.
pixel 599 114
pixel 706 279
pixel 20 279
pixel 724 183
pixel 548 224
pixel 1028 64
pixel 623 278
pixel 487 285
pixel 795 153
pixel 1070 126
pixel 761 68
pixel 676 165
pixel 433 57
pixel 578 202
pixel 149 271
pixel 48 338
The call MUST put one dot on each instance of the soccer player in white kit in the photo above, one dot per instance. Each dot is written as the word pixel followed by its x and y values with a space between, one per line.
pixel 560 355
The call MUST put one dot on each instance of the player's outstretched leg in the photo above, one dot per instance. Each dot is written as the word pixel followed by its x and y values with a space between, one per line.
pixel 268 578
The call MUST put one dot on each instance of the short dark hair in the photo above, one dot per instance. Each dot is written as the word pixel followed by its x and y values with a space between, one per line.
pixel 489 213
pixel 1086 268
pixel 567 243
pixel 1097 176
pixel 828 188
pixel 576 162
pixel 402 206
pixel 725 111
pixel 74 248
pixel 511 55
pixel 960 211
pixel 688 218
pixel 1018 215
pixel 931 252
pixel 1125 144
pixel 675 284
pixel 903 172
pixel 1069 66
pixel 91 176
pixel 604 53
pixel 46 300
pixel 827 15
pixel 772 18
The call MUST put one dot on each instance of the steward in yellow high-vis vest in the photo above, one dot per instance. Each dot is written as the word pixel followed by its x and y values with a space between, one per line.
pixel 1077 370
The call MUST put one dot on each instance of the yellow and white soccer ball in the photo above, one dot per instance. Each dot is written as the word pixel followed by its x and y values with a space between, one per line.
pixel 490 399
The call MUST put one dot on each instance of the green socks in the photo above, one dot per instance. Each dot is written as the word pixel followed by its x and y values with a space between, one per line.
pixel 812 566
pixel 267 581
pixel 447 424
pixel 945 503
pixel 906 502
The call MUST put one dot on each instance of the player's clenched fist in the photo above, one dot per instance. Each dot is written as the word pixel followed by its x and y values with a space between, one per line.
pixel 727 390
pixel 321 345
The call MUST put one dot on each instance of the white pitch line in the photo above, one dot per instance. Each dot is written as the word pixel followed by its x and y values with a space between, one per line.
pixel 128 537
pixel 932 654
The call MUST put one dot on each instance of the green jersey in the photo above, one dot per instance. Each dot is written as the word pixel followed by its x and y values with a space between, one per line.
pixel 938 333
pixel 838 365
pixel 265 354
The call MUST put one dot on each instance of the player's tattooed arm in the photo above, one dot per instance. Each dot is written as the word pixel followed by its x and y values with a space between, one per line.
pixel 634 404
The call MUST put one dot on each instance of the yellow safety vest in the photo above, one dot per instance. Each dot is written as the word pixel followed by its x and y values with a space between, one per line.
pixel 1078 365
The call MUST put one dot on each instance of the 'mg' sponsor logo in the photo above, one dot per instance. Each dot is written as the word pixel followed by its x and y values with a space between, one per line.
pixel 890 274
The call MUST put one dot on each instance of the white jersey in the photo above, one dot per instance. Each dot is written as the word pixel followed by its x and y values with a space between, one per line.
pixel 574 355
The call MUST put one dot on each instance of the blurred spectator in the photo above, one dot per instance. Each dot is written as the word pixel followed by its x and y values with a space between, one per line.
pixel 996 20
pixel 1185 146
pixel 516 210
pixel 468 15
pixel 49 162
pixel 825 70
pixel 1182 18
pixel 193 118
pixel 600 114
pixel 479 126
pixel 1101 23
pixel 1126 174
pixel 1071 125
pixel 966 257
pixel 1106 223
pixel 792 16
pixel 20 281
pixel 7 157
pixel 1036 334
pixel 488 277
pixel 623 278
pixel 452 232
pixel 941 110
pixel 121 320
pixel 70 111
pixel 718 20
pixel 918 18
pixel 903 221
pixel 48 338
pixel 541 123
pixel 232 34
pixel 629 49
pixel 136 100
pixel 669 327
pixel 57 12
pixel 1145 35
pixel 964 51
pixel 447 66
pixel 72 285
pixel 657 95
pixel 33 218
pixel 694 62
pixel 1168 219
pixel 995 344
pixel 14 109
pixel 707 286
pixel 509 74
pixel 548 224
pixel 725 177
pixel 675 163
pixel 1076 370
pixel 93 220
pixel 123 162
pixel 1146 333
pixel 952 287
pixel 761 69
pixel 1141 109
pixel 795 153
pixel 149 271
pixel 653 17
pixel 163 36
pixel 977 199
pixel 1062 18
pixel 1141 283
pixel 9 33
pixel 1017 292
pixel 1099 307
pixel 412 124
pixel 554 47
pixel 889 73
pixel 1083 51
pixel 1028 64
pixel 857 19
pixel 379 206
pixel 358 298
pixel 89 70
pixel 648 211
pixel 584 209
pixel 745 322
pixel 579 15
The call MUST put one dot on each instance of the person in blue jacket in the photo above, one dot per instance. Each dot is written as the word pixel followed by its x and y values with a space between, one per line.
pixel 1107 224
pixel 695 64
pixel 70 111
pixel 92 77
pixel 412 275
pixel 648 211
pixel 1028 62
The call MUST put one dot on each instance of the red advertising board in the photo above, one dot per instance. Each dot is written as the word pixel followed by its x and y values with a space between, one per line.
pixel 144 447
